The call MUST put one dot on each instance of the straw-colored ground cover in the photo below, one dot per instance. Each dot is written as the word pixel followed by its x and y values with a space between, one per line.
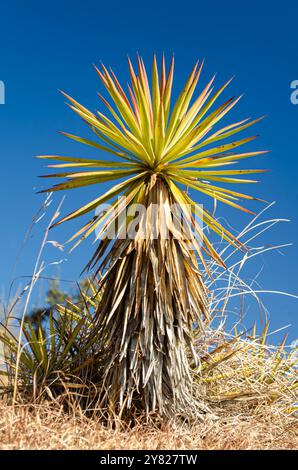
pixel 251 391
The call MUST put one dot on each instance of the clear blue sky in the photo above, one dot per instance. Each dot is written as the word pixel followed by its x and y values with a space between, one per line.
pixel 46 46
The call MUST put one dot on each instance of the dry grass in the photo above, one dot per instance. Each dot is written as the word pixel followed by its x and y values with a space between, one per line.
pixel 44 427
pixel 250 388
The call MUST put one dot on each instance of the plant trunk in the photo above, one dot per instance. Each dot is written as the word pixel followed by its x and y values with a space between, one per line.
pixel 153 296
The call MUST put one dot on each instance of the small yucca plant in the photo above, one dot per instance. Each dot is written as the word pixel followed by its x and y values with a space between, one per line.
pixel 154 291
pixel 54 357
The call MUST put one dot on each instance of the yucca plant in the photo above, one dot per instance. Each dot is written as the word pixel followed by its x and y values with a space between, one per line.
pixel 155 290
pixel 53 358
